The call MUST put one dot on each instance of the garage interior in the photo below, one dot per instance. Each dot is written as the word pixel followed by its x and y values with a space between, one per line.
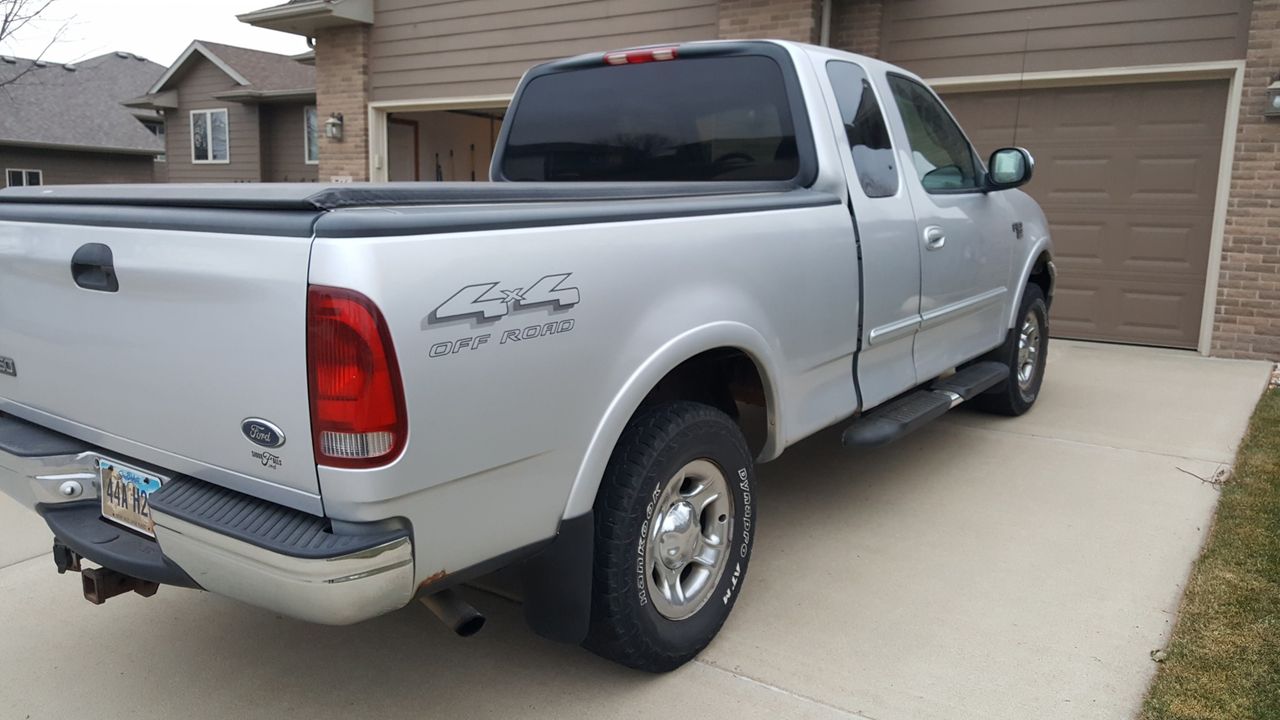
pixel 442 145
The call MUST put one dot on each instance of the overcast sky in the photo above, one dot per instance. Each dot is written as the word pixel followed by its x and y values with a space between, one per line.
pixel 158 30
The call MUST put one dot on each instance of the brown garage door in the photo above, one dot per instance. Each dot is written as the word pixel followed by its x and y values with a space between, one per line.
pixel 1126 175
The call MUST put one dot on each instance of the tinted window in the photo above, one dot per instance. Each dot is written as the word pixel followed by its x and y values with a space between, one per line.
pixel 717 118
pixel 942 156
pixel 864 125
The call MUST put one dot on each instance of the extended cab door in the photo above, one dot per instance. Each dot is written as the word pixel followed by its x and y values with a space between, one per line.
pixel 886 230
pixel 966 245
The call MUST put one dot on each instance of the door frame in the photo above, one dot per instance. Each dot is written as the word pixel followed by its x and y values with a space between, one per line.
pixel 380 111
pixel 1230 70
pixel 417 144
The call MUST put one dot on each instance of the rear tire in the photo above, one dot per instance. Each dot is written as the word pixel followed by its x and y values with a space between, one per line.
pixel 674 525
pixel 1025 350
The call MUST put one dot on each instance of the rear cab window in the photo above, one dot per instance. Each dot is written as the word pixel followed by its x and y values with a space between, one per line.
pixel 864 126
pixel 698 117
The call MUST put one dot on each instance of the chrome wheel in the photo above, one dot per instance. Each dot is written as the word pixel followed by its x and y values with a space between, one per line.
pixel 1028 351
pixel 688 539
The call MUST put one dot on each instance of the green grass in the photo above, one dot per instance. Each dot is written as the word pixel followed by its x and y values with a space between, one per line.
pixel 1224 658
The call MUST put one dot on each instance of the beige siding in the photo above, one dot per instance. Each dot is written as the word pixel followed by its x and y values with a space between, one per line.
pixel 426 49
pixel 947 38
pixel 196 87
pixel 65 167
pixel 283 144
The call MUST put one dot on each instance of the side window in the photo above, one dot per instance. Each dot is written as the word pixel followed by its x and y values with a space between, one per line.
pixel 942 156
pixel 873 157
pixel 20 178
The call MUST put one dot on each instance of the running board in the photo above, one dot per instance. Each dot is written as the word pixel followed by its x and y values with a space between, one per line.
pixel 914 410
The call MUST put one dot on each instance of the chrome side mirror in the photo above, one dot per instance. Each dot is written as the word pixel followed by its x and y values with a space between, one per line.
pixel 1009 168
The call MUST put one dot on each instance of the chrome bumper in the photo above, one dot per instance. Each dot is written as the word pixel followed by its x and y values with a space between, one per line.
pixel 337 590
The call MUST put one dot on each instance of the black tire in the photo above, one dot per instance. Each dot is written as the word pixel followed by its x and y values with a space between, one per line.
pixel 625 624
pixel 1011 397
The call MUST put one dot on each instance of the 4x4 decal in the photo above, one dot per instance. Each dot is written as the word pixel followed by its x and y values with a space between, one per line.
pixel 486 302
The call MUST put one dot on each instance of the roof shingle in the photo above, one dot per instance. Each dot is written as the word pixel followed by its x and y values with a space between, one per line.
pixel 53 105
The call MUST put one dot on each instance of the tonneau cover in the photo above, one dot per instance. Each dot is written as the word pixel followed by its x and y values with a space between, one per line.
pixel 313 197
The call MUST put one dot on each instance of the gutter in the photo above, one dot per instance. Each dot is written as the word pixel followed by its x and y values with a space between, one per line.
pixel 81 148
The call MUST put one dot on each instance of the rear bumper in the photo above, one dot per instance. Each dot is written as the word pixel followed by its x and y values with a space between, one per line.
pixel 212 538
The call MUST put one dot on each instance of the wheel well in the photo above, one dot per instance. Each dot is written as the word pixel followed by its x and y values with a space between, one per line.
pixel 1041 277
pixel 725 378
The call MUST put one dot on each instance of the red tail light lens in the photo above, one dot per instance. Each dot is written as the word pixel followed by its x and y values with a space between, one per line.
pixel 357 401
pixel 632 57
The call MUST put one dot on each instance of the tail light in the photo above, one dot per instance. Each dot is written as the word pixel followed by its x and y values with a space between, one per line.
pixel 632 57
pixel 357 401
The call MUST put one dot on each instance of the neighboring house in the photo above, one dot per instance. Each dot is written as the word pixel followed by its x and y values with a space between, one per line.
pixel 1158 168
pixel 65 123
pixel 237 115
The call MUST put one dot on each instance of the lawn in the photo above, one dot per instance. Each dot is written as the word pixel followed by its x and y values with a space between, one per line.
pixel 1224 658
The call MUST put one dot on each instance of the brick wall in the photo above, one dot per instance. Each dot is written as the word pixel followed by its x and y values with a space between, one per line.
pixel 342 86
pixel 855 26
pixel 1247 317
pixel 799 20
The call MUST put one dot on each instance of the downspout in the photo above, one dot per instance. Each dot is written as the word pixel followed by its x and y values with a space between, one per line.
pixel 824 37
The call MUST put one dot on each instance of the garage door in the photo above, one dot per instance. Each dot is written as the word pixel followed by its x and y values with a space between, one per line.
pixel 1127 176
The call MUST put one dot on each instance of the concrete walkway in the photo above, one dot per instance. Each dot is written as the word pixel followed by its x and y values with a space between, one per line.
pixel 983 568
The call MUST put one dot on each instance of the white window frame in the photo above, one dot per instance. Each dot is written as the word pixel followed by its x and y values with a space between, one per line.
pixel 306 146
pixel 24 171
pixel 209 130
pixel 164 142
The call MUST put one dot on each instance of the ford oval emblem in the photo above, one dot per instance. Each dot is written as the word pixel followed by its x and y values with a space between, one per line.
pixel 261 432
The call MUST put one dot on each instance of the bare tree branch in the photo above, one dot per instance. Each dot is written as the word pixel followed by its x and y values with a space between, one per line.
pixel 15 15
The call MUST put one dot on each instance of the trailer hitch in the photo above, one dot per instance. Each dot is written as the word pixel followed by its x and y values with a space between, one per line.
pixel 102 584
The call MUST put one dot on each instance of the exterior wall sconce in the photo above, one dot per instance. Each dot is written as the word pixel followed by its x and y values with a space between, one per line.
pixel 1272 110
pixel 333 127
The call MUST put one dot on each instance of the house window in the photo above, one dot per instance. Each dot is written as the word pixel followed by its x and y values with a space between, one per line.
pixel 311 125
pixel 157 129
pixel 210 141
pixel 21 178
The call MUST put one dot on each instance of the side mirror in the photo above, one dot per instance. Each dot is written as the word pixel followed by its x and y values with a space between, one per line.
pixel 1009 168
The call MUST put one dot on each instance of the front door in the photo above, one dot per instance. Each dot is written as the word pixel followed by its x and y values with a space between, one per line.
pixel 966 251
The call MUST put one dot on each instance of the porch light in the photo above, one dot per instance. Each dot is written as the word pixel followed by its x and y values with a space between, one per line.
pixel 333 126
pixel 1273 100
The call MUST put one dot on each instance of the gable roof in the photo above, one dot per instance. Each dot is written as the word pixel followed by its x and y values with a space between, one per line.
pixel 253 70
pixel 77 106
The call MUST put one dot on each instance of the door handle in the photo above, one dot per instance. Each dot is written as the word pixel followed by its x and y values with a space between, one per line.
pixel 93 268
pixel 934 238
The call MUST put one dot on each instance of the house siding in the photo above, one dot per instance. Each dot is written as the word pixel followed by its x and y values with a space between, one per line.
pixel 196 87
pixel 73 167
pixel 283 144
pixel 425 50
pixel 948 38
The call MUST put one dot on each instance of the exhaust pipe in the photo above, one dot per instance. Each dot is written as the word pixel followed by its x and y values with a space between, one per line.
pixel 454 612
pixel 102 584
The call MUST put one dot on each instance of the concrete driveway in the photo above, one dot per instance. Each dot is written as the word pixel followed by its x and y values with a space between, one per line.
pixel 983 568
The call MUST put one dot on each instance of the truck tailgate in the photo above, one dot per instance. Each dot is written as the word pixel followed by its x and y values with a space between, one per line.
pixel 206 330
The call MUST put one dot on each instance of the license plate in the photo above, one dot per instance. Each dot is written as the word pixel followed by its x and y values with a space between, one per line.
pixel 125 492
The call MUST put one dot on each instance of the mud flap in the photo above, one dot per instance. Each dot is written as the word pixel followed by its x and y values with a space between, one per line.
pixel 557 583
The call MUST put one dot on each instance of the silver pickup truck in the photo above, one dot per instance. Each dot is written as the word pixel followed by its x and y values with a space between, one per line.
pixel 331 400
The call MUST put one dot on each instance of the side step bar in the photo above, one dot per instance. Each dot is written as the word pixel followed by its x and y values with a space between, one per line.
pixel 916 409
